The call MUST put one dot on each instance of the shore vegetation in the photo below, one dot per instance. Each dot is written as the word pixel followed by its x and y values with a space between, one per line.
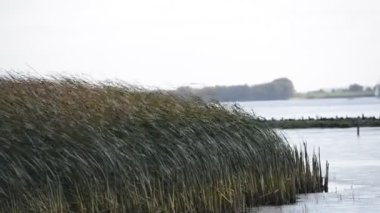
pixel 69 145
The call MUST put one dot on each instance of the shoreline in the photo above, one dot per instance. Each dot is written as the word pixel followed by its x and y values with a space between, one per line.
pixel 323 122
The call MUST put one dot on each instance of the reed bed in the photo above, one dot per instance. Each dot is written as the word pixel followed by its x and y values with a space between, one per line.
pixel 321 122
pixel 68 145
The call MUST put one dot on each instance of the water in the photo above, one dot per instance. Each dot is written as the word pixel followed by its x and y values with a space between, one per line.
pixel 354 161
pixel 354 171
pixel 315 107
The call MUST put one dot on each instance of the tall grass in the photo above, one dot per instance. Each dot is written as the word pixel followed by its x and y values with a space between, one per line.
pixel 71 145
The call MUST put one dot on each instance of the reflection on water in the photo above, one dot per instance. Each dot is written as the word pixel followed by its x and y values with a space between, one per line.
pixel 316 107
pixel 354 171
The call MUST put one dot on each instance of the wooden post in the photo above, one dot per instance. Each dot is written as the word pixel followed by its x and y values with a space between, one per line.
pixel 326 185
pixel 320 170
pixel 358 127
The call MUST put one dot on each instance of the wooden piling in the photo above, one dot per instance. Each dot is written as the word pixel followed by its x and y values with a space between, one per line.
pixel 320 170
pixel 326 184
pixel 358 127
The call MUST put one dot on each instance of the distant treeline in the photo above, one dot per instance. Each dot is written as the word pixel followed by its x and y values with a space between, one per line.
pixel 278 89
pixel 352 91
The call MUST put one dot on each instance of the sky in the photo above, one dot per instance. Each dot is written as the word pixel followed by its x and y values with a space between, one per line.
pixel 170 43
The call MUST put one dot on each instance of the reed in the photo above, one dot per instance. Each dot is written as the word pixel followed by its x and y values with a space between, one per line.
pixel 67 145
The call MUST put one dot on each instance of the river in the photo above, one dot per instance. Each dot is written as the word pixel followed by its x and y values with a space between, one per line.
pixel 354 161
pixel 297 108
pixel 354 171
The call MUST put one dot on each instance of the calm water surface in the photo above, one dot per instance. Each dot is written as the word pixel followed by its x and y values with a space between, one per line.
pixel 354 161
pixel 315 107
pixel 354 171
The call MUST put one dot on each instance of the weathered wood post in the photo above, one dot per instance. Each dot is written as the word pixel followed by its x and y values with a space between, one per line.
pixel 326 185
pixel 358 126
pixel 320 170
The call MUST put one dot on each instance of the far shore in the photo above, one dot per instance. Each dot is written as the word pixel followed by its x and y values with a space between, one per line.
pixel 322 122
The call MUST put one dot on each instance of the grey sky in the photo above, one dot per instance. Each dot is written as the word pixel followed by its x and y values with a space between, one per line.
pixel 168 43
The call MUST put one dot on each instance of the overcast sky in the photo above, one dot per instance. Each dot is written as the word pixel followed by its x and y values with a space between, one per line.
pixel 168 43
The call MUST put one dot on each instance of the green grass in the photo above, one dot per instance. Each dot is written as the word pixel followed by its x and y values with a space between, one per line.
pixel 67 145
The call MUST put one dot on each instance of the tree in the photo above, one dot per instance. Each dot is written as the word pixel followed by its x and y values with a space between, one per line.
pixel 369 89
pixel 355 88
pixel 276 90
